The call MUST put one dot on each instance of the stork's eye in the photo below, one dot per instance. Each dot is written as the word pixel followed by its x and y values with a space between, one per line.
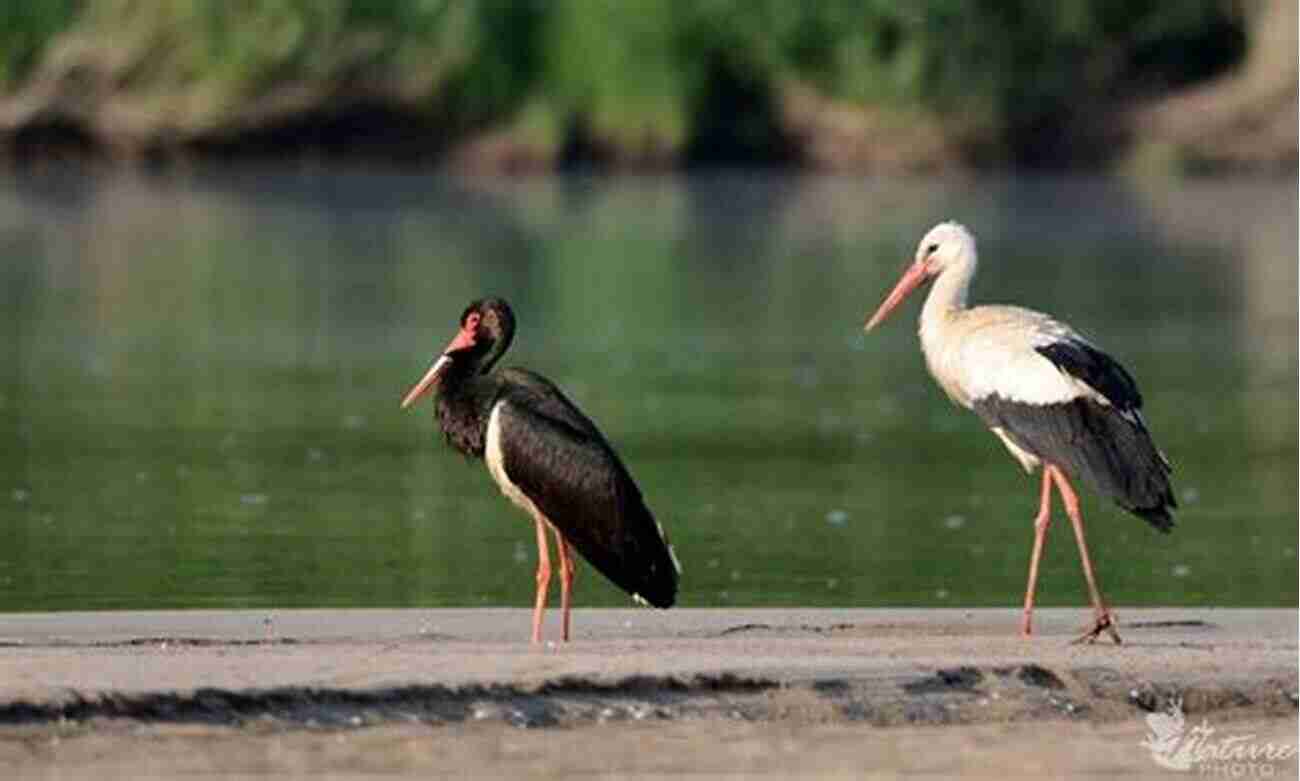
pixel 933 248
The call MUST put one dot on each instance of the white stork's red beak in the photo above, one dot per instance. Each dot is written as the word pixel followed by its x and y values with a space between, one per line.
pixel 911 280
pixel 464 338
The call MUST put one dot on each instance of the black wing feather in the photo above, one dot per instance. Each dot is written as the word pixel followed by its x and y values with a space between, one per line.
pixel 1113 453
pixel 1107 445
pixel 544 398
pixel 559 460
pixel 1100 371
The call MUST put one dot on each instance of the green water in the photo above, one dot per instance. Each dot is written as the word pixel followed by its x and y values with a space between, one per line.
pixel 200 376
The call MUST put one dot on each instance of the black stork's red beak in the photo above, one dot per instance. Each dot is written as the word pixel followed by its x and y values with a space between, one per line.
pixel 911 280
pixel 464 339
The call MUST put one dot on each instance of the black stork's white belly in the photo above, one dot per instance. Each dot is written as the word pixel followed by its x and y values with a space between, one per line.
pixel 495 459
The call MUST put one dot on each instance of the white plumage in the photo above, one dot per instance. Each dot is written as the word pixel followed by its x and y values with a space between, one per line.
pixel 991 350
pixel 988 350
pixel 1052 397
pixel 496 464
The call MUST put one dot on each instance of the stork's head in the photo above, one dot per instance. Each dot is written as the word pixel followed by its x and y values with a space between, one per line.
pixel 945 246
pixel 487 327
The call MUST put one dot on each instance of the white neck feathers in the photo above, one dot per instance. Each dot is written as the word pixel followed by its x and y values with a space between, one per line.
pixel 949 291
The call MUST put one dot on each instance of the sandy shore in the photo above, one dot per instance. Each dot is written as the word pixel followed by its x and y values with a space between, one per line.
pixel 640 692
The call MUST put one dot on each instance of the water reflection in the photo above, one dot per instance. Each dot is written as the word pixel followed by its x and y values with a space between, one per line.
pixel 199 388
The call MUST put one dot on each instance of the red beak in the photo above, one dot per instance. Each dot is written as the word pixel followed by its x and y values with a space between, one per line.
pixel 911 280
pixel 464 339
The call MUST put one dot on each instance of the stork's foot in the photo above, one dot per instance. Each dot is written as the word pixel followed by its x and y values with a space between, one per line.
pixel 1103 623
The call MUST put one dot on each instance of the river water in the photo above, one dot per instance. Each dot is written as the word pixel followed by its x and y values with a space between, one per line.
pixel 200 376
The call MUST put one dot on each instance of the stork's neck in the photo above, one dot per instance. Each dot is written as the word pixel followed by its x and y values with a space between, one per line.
pixel 477 361
pixel 464 404
pixel 947 299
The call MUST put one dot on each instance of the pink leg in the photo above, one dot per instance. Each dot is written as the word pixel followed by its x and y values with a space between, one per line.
pixel 543 580
pixel 1104 621
pixel 567 567
pixel 1041 522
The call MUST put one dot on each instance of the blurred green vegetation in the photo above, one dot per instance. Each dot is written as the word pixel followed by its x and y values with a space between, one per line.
pixel 25 30
pixel 700 79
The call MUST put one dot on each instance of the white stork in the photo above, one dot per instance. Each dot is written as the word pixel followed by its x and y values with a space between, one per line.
pixel 1053 398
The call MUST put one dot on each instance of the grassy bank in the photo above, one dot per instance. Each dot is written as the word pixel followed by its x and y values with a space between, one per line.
pixel 641 82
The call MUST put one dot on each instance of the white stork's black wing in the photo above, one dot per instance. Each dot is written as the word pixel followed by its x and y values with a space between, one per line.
pixel 1099 435
pixel 1096 369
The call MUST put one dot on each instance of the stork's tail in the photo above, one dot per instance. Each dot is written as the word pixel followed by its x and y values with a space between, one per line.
pixel 1126 464
pixel 1158 516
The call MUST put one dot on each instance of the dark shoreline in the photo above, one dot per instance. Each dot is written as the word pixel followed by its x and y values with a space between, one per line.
pixel 1204 129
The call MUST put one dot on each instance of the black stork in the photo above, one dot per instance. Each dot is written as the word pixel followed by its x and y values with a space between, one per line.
pixel 549 459
pixel 1048 393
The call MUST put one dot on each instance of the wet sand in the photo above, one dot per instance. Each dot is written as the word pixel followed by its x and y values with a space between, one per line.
pixel 758 692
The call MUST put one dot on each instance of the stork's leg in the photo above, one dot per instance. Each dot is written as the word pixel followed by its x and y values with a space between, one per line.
pixel 543 579
pixel 1104 622
pixel 1041 522
pixel 567 567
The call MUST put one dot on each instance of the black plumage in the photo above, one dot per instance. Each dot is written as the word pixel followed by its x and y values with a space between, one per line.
pixel 551 453
pixel 1095 368
pixel 1107 445
pixel 1111 453
pixel 565 466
